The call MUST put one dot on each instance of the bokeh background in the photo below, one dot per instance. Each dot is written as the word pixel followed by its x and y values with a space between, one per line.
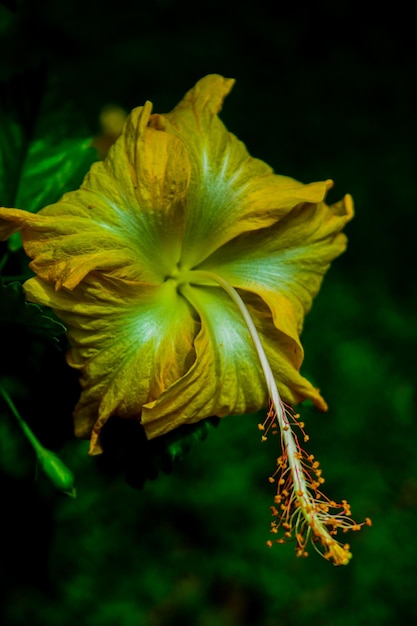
pixel 321 92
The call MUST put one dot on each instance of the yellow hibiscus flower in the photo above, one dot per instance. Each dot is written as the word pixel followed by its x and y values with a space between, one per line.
pixel 183 269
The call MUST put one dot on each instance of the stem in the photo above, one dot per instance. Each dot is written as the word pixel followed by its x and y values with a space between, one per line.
pixel 59 474
pixel 28 432
pixel 4 260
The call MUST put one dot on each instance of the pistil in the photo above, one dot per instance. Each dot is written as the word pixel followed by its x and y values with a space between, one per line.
pixel 302 511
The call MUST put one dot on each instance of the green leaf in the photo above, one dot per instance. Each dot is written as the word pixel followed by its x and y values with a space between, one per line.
pixel 16 312
pixel 51 168
pixel 44 149
pixel 16 125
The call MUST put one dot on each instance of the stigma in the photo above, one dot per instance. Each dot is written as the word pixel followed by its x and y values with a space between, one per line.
pixel 302 513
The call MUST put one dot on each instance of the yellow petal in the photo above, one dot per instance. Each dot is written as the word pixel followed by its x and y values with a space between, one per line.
pixel 148 171
pixel 129 342
pixel 230 192
pixel 284 353
pixel 226 377
pixel 179 192
pixel 285 263
pixel 126 219
pixel 10 222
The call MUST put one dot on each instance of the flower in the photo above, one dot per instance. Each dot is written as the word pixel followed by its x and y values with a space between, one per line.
pixel 183 269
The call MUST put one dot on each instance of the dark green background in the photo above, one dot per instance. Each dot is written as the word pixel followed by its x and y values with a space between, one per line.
pixel 322 92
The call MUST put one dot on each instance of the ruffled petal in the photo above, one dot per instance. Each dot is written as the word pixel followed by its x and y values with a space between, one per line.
pixel 126 219
pixel 285 263
pixel 230 192
pixel 178 193
pixel 66 245
pixel 226 377
pixel 129 342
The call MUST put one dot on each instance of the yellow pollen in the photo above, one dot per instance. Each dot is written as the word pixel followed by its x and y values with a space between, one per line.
pixel 304 513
